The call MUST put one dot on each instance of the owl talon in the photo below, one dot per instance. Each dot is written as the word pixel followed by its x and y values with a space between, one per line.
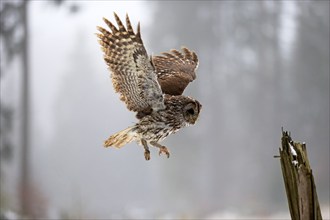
pixel 164 150
pixel 147 155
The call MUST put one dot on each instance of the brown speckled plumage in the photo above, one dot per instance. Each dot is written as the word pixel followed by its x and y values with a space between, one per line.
pixel 132 75
pixel 152 87
pixel 175 70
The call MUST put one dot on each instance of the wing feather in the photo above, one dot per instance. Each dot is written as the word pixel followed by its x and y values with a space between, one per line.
pixel 132 73
pixel 120 24
pixel 175 70
pixel 110 25
pixel 129 25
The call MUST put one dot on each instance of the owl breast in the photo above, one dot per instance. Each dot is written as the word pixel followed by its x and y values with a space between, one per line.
pixel 158 125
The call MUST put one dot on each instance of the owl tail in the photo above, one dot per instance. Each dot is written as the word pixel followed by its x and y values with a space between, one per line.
pixel 121 138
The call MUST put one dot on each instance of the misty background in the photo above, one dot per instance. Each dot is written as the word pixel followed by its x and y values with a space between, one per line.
pixel 263 65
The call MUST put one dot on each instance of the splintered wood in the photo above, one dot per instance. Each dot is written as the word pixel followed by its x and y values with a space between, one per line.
pixel 298 180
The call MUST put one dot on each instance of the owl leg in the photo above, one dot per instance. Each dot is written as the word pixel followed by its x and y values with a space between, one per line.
pixel 146 149
pixel 162 149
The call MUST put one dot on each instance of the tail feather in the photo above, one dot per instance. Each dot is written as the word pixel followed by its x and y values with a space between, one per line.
pixel 121 138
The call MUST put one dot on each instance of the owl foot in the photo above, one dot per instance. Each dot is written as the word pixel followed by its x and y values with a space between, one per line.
pixel 146 149
pixel 164 150
pixel 147 154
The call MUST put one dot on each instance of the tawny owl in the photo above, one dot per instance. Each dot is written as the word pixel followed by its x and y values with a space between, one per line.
pixel 150 86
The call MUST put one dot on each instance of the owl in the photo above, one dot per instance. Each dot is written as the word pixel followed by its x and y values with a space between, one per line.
pixel 150 86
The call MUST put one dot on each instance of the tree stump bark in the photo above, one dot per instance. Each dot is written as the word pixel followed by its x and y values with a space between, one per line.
pixel 298 180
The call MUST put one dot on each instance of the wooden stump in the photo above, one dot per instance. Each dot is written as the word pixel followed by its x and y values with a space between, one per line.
pixel 298 180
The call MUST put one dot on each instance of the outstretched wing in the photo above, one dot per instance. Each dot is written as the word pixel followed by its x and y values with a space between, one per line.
pixel 175 70
pixel 133 75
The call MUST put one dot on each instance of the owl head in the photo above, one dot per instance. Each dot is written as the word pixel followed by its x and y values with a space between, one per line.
pixel 191 111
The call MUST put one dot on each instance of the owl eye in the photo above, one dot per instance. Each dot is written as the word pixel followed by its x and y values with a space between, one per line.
pixel 191 111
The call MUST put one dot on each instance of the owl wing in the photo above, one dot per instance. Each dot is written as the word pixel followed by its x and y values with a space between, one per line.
pixel 175 70
pixel 132 73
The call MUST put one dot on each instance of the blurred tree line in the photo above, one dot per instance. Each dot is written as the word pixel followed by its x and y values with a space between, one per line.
pixel 14 33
